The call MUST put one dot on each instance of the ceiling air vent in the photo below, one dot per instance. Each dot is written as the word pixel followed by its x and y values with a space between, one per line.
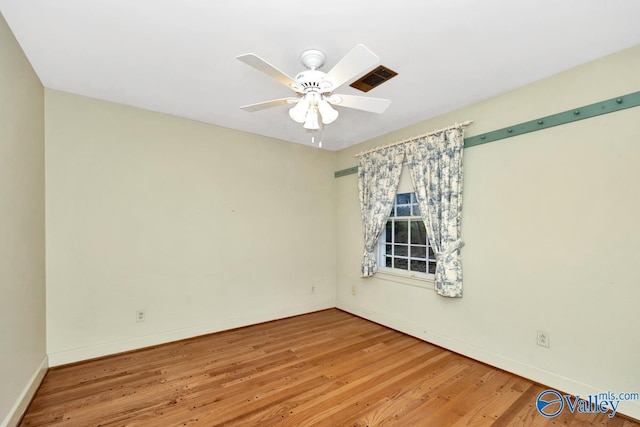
pixel 373 79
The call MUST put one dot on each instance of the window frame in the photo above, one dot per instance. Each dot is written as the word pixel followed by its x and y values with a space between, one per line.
pixel 399 213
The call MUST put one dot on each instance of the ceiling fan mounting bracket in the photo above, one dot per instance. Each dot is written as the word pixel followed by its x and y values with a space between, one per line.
pixel 313 59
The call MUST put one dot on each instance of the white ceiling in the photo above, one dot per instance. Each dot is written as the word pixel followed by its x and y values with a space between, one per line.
pixel 179 56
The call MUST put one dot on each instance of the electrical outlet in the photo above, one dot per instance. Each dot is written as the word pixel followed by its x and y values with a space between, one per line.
pixel 354 290
pixel 140 316
pixel 543 338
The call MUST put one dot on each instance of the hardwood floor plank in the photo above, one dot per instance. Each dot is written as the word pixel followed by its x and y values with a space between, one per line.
pixel 365 358
pixel 327 368
pixel 511 414
pixel 360 382
pixel 413 396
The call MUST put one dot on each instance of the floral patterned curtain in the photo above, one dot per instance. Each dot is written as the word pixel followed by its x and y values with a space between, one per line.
pixel 378 177
pixel 435 163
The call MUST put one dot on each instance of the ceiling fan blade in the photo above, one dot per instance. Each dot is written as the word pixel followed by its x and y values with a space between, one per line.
pixel 261 65
pixel 356 62
pixel 269 104
pixel 372 105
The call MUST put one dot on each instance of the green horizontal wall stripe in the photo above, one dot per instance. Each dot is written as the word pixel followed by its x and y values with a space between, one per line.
pixel 345 172
pixel 575 114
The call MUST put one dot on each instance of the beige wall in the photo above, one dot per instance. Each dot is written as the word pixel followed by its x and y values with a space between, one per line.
pixel 22 282
pixel 203 227
pixel 550 221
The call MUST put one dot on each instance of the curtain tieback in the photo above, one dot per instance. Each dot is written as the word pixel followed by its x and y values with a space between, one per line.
pixel 449 249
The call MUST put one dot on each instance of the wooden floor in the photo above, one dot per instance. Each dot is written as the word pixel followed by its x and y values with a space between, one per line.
pixel 322 369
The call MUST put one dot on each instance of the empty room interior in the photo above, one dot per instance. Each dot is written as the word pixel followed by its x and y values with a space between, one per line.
pixel 142 208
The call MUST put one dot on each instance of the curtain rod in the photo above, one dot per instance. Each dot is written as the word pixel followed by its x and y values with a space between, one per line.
pixel 433 132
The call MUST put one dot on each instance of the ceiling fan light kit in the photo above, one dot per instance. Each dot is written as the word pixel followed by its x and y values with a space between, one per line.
pixel 314 88
pixel 299 112
pixel 328 113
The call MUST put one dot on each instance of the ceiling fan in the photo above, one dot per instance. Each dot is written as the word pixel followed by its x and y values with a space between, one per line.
pixel 314 98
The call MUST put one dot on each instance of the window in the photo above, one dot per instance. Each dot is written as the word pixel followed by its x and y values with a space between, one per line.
pixel 403 245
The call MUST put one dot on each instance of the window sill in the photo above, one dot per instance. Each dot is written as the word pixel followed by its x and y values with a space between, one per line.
pixel 410 279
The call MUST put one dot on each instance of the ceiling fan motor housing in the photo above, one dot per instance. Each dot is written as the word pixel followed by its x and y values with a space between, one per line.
pixel 314 81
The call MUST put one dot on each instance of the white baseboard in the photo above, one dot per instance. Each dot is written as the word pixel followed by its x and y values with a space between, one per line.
pixel 551 379
pixel 92 352
pixel 20 406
